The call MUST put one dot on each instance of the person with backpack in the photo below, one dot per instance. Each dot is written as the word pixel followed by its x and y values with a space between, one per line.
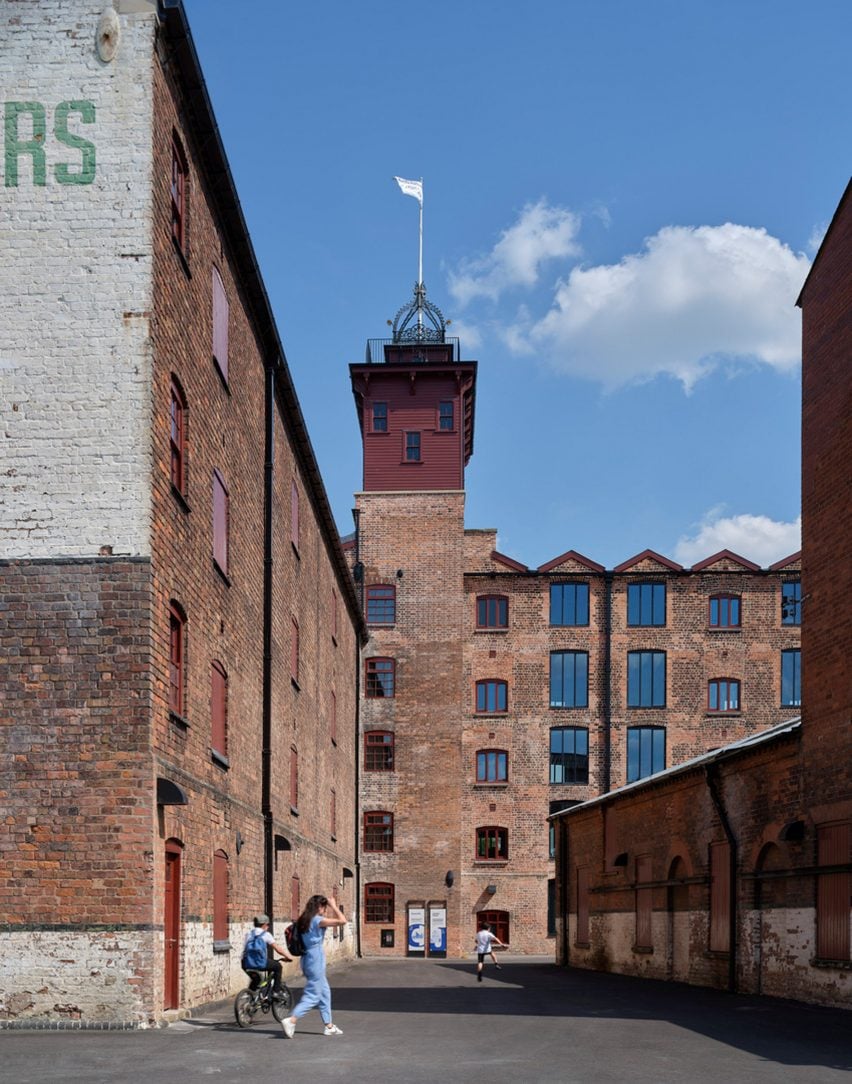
pixel 258 956
pixel 319 914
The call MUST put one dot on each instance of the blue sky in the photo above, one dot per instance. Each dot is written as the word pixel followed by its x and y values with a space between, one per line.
pixel 621 202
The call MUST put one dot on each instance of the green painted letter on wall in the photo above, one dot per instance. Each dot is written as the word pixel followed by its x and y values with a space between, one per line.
pixel 16 147
pixel 86 173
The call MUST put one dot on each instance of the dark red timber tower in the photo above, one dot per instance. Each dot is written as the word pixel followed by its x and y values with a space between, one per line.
pixel 415 402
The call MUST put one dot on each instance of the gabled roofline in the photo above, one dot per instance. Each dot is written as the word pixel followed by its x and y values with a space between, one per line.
pixel 571 555
pixel 847 194
pixel 626 565
pixel 726 555
pixel 502 559
pixel 797 556
pixel 727 752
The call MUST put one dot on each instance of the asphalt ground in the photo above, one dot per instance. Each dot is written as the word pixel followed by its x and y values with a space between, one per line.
pixel 429 1021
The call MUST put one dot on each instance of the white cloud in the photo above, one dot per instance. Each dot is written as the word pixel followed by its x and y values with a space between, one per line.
pixel 541 233
pixel 469 335
pixel 817 234
pixel 758 538
pixel 695 297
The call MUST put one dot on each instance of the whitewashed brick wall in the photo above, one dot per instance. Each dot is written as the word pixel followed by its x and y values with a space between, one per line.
pixel 75 286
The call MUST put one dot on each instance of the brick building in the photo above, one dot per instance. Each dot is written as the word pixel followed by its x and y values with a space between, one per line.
pixel 494 694
pixel 735 869
pixel 179 629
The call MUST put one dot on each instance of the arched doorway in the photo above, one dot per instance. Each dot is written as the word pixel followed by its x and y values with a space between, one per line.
pixel 678 909
pixel 770 921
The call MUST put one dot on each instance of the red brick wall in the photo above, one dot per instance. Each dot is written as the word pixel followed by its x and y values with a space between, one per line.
pixel 827 515
pixel 74 702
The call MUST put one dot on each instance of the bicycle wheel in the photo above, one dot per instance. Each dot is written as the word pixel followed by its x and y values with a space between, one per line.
pixel 244 1009
pixel 281 1009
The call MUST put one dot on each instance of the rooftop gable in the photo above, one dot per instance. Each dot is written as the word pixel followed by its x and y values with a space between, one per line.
pixel 728 561
pixel 793 563
pixel 502 559
pixel 571 561
pixel 646 562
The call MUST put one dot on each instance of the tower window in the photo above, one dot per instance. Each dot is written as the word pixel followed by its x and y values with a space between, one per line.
pixel 381 604
pixel 791 603
pixel 446 417
pixel 380 417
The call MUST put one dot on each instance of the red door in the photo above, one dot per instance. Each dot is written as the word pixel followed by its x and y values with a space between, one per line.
pixel 171 927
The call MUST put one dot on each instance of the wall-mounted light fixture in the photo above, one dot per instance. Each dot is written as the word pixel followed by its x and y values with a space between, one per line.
pixel 239 842
pixel 449 878
pixel 491 889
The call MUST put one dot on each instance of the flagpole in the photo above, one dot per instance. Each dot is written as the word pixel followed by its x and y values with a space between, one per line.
pixel 420 264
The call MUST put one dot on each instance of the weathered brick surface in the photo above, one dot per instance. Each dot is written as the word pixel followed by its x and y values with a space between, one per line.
pixel 84 644
pixel 75 302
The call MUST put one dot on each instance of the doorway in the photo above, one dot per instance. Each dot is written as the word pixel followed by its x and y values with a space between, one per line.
pixel 171 926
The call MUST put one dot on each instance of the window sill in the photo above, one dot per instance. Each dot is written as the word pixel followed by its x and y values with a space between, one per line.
pixel 724 628
pixel 294 810
pixel 490 714
pixel 221 946
pixel 219 759
pixel 411 462
pixel 582 944
pixel 381 624
pixel 569 707
pixel 182 257
pixel 496 628
pixel 222 574
pixel 491 862
pixel 179 497
pixel 334 839
pixel 642 950
pixel 295 685
pixel 711 714
pixel 179 720
pixel 222 376
pixel 499 785
pixel 295 550
pixel 837 965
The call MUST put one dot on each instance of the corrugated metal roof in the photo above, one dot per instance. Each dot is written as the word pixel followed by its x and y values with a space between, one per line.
pixel 726 751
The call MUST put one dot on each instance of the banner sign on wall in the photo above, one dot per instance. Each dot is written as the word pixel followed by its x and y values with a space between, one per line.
pixel 416 931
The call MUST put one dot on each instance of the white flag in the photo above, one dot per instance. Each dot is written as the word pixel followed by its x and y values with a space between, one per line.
pixel 411 188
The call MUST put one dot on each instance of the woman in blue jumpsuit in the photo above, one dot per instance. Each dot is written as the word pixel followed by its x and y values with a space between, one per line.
pixel 320 913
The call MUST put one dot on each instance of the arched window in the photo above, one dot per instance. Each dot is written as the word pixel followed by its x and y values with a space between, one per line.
pixel 378 831
pixel 381 604
pixel 378 902
pixel 492 612
pixel 492 697
pixel 492 766
pixel 220 896
pixel 723 694
pixel 646 751
pixel 725 611
pixel 380 678
pixel 378 751
pixel 492 844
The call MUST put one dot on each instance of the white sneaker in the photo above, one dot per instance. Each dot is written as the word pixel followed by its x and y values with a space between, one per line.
pixel 332 1029
pixel 289 1027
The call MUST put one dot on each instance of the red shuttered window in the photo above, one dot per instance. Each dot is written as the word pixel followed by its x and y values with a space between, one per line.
pixel 177 437
pixel 221 522
pixel 378 831
pixel 833 892
pixel 378 902
pixel 220 325
pixel 177 630
pixel 219 709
